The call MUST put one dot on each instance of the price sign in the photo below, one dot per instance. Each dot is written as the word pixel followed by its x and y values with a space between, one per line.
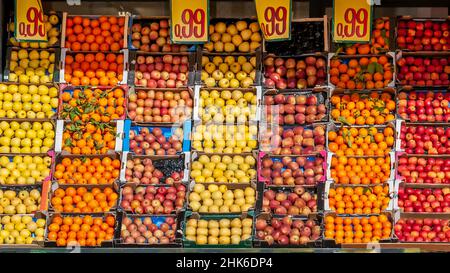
pixel 352 21
pixel 29 21
pixel 189 21
pixel 274 17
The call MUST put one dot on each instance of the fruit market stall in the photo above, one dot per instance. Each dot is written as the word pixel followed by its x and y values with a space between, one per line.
pixel 115 138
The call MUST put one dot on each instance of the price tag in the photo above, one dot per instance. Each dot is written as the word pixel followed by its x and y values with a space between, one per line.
pixel 189 21
pixel 352 21
pixel 274 17
pixel 29 21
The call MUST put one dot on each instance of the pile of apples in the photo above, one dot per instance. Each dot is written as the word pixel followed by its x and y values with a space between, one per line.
pixel 159 106
pixel 26 137
pixel 423 71
pixel 424 200
pixel 422 230
pixel 215 199
pixel 147 171
pixel 229 71
pixel 168 71
pixel 153 142
pixel 291 171
pixel 154 36
pixel 148 230
pixel 421 170
pixel 423 35
pixel 240 36
pixel 24 169
pixel 34 66
pixel 240 138
pixel 294 109
pixel 425 139
pixel 424 107
pixel 227 106
pixel 19 201
pixel 282 73
pixel 293 141
pixel 296 201
pixel 153 200
pixel 21 229
pixel 52 28
pixel 28 101
pixel 287 231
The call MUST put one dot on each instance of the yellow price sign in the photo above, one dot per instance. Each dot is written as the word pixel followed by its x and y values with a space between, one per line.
pixel 189 21
pixel 274 17
pixel 29 21
pixel 352 21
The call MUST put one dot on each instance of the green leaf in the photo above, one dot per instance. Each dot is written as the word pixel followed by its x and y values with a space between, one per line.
pixel 68 142
pixel 379 68
pixel 371 68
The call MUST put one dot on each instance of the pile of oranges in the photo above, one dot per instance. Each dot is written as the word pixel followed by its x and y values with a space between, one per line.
pixel 363 109
pixel 93 104
pixel 349 230
pixel 378 43
pixel 92 171
pixel 88 138
pixel 83 200
pixel 94 69
pixel 102 34
pixel 361 141
pixel 361 72
pixel 81 230
pixel 359 200
pixel 364 171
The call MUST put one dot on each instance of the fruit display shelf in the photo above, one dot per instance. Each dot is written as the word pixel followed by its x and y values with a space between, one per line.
pixel 82 32
pixel 31 235
pixel 22 199
pixel 170 105
pixel 364 231
pixel 422 34
pixel 363 107
pixel 306 71
pixel 85 199
pixel 149 231
pixel 381 41
pixel 422 70
pixel 152 34
pixel 28 101
pixel 308 35
pixel 287 231
pixel 229 70
pixel 94 68
pixel 423 170
pixel 102 230
pixel 233 35
pixel 70 133
pixel 75 102
pixel 154 169
pixel 349 199
pixel 417 200
pixel 297 201
pixel 423 105
pixel 52 21
pixel 362 72
pixel 43 63
pixel 229 105
pixel 292 139
pixel 27 136
pixel 156 139
pixel 196 229
pixel 295 108
pixel 25 170
pixel 162 70
pixel 140 199
pixel 222 198
pixel 426 139
pixel 291 170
